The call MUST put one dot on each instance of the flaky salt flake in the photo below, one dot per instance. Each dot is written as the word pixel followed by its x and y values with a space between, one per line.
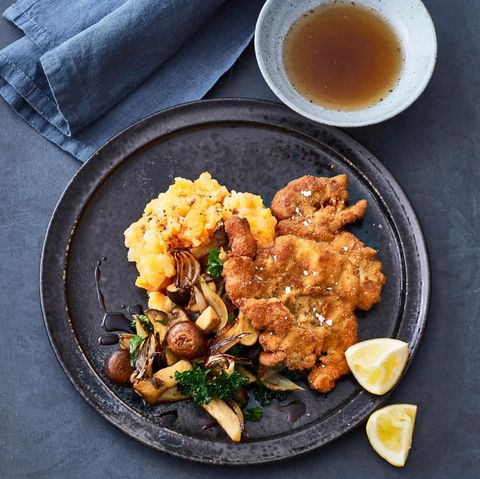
pixel 315 273
pixel 320 318
pixel 306 193
pixel 306 223
pixel 288 289
pixel 329 322
pixel 305 272
pixel 345 248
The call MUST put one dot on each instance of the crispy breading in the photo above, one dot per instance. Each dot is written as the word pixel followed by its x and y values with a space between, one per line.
pixel 298 349
pixel 370 276
pixel 295 267
pixel 242 242
pixel 302 293
pixel 315 208
pixel 268 314
pixel 283 340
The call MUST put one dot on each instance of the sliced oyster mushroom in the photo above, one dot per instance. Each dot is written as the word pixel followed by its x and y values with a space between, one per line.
pixel 270 378
pixel 243 325
pixel 277 382
pixel 188 268
pixel 152 388
pixel 149 389
pixel 124 340
pixel 226 417
pixel 223 342
pixel 200 299
pixel 238 411
pixel 214 300
pixel 156 316
pixel 171 395
pixel 145 356
pixel 178 315
pixel 160 321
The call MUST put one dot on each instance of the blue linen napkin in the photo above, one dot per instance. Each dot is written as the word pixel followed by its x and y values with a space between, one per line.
pixel 87 69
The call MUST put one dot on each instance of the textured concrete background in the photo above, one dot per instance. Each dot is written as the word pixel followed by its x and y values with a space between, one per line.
pixel 433 149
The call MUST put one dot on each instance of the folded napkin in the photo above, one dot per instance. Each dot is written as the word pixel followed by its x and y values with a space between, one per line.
pixel 87 69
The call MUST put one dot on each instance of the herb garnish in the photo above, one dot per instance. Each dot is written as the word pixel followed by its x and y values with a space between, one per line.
pixel 253 414
pixel 194 383
pixel 215 266
pixel 200 383
pixel 265 396
pixel 134 342
pixel 226 386
pixel 231 318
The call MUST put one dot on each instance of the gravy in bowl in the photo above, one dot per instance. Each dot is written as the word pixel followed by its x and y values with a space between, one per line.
pixel 343 56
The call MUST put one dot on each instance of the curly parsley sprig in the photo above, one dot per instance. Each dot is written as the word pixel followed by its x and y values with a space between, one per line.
pixel 253 414
pixel 215 265
pixel 202 385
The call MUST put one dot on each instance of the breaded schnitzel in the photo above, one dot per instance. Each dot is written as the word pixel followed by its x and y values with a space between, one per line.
pixel 315 208
pixel 301 292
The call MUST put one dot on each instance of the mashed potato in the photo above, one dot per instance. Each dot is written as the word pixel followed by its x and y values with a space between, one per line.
pixel 185 216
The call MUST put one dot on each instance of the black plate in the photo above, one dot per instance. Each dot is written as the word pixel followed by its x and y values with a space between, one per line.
pixel 248 146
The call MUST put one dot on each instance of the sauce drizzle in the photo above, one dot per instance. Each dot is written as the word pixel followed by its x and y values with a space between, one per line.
pixel 112 320
pixel 167 418
pixel 294 410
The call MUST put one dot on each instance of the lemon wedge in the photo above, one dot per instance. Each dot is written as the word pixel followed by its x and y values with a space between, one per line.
pixel 377 363
pixel 390 431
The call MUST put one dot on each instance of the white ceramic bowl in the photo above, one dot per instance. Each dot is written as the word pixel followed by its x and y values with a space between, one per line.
pixel 410 20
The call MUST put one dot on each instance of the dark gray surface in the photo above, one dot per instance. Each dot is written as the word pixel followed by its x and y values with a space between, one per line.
pixel 433 149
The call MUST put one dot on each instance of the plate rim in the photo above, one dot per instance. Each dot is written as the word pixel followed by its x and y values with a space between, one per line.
pixel 409 213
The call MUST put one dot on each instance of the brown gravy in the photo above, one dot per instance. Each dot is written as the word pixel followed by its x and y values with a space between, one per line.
pixel 342 56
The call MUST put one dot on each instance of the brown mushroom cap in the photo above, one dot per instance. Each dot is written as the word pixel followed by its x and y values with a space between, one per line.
pixel 118 368
pixel 180 296
pixel 186 340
